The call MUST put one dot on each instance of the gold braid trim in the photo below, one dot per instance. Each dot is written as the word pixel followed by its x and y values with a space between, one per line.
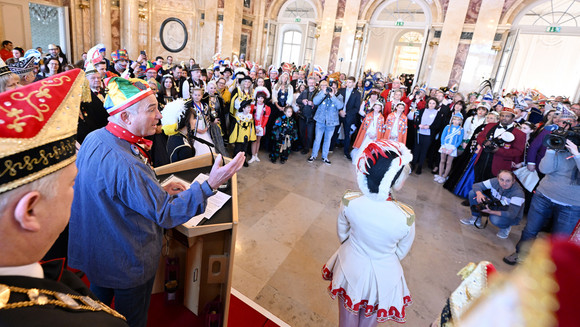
pixel 536 287
pixel 38 297
pixel 539 287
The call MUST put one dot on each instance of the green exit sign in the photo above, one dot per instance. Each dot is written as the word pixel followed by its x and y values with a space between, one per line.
pixel 553 29
pixel 399 23
pixel 297 19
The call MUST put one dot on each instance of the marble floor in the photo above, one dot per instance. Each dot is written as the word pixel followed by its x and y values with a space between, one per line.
pixel 287 231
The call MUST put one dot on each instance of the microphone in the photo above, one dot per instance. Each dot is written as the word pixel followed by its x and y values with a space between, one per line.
pixel 200 140
pixel 210 146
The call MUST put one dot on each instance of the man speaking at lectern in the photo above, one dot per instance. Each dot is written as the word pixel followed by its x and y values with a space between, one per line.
pixel 120 209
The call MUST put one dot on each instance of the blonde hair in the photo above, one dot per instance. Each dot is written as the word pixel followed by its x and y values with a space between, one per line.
pixel 5 79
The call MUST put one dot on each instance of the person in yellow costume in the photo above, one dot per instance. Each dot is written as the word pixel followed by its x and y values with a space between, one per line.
pixel 244 129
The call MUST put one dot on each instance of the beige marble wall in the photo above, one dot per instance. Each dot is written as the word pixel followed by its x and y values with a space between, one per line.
pixel 481 57
pixel 458 64
pixel 102 22
pixel 326 39
pixel 233 10
pixel 115 29
pixel 449 41
pixel 347 41
pixel 81 29
pixel 130 27
pixel 209 32
pixel 333 62
pixel 258 44
pixel 187 13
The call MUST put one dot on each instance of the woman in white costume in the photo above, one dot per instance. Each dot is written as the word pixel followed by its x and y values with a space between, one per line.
pixel 375 232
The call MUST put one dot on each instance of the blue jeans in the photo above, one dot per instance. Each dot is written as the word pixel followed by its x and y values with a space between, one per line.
pixel 499 221
pixel 541 210
pixel 133 303
pixel 326 131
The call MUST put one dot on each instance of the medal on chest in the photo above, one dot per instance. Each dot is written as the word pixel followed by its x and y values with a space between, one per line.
pixel 139 154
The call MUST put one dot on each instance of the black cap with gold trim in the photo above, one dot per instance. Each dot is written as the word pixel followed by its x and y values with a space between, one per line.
pixel 38 125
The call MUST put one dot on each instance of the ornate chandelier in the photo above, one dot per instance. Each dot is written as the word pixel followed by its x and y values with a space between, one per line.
pixel 44 14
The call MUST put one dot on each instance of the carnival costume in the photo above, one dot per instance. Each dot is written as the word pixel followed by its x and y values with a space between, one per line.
pixel 208 130
pixel 244 130
pixel 120 210
pixel 399 124
pixel 261 115
pixel 541 292
pixel 284 132
pixel 179 146
pixel 37 142
pixel 371 130
pixel 451 137
pixel 237 99
pixel 375 232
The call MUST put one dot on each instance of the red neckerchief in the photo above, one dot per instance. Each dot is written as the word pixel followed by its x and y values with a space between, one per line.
pixel 141 143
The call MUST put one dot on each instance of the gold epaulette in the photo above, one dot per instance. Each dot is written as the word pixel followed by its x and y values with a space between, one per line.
pixel 40 297
pixel 350 195
pixel 407 210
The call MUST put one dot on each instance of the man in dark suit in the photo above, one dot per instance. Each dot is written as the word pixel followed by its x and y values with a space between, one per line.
pixel 347 116
pixel 296 82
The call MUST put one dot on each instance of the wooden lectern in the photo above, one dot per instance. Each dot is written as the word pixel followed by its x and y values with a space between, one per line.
pixel 205 252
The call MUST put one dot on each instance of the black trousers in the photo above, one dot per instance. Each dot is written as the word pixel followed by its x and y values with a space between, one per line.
pixel 241 147
pixel 422 143
pixel 266 141
pixel 346 123
pixel 306 132
pixel 433 155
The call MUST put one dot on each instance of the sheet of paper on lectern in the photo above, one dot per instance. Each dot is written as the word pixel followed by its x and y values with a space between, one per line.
pixel 176 179
pixel 214 203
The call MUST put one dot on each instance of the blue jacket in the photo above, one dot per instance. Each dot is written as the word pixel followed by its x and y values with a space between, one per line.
pixel 328 107
pixel 119 212
pixel 452 135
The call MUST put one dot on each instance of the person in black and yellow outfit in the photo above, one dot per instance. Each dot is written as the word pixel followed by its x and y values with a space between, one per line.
pixel 244 129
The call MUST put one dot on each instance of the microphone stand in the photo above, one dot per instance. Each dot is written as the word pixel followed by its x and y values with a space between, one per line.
pixel 210 146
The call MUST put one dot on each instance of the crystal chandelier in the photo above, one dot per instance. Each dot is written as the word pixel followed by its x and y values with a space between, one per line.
pixel 44 14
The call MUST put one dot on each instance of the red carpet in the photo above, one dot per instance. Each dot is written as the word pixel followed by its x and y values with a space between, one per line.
pixel 177 315
pixel 241 315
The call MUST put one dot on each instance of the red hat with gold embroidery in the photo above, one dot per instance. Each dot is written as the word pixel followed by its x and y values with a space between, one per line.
pixel 38 126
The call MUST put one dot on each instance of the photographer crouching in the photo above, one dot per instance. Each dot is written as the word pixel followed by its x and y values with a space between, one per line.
pixel 504 203
pixel 557 194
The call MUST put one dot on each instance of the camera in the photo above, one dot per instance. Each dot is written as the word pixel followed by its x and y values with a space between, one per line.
pixel 490 145
pixel 557 139
pixel 492 204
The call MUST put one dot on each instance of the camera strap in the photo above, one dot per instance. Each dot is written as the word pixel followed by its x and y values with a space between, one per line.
pixel 481 225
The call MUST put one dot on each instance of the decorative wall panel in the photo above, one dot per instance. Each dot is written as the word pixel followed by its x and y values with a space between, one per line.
pixel 472 11
pixel 115 29
pixel 458 64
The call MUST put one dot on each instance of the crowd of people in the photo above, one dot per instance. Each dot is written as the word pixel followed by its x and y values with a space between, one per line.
pixel 505 155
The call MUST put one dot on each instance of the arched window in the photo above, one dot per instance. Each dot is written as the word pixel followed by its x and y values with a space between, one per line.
pixel 407 53
pixel 291 45
pixel 400 13
pixel 297 10
pixel 291 37
pixel 552 13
